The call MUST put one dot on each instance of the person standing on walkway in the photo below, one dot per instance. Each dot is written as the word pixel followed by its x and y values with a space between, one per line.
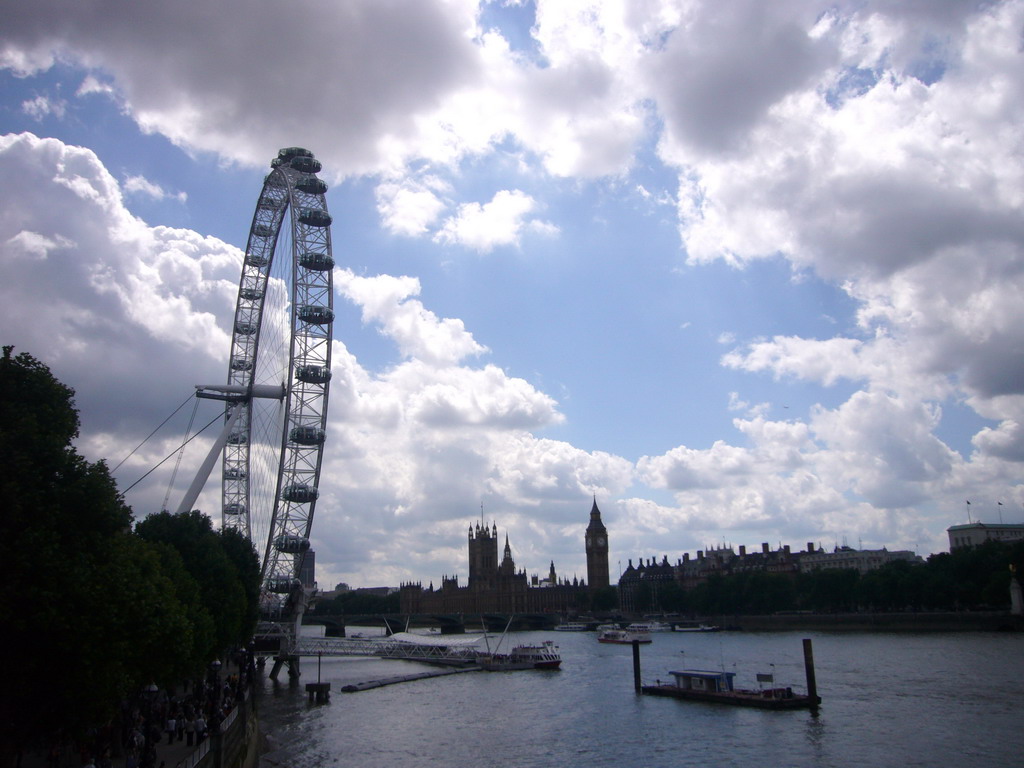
pixel 190 730
pixel 170 728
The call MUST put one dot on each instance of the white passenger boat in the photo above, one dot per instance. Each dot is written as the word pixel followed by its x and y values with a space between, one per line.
pixel 649 626
pixel 697 628
pixel 572 626
pixel 543 656
pixel 623 637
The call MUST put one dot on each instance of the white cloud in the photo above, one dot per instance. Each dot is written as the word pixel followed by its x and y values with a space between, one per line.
pixel 142 185
pixel 43 106
pixel 91 85
pixel 874 145
pixel 135 317
pixel 499 222
pixel 416 330
pixel 409 207
pixel 109 283
pixel 32 245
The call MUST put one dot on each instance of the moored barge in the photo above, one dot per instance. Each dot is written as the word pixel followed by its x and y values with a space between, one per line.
pixel 701 685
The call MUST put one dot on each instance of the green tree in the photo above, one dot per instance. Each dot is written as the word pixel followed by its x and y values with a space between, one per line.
pixel 241 552
pixel 604 599
pixel 89 617
pixel 643 599
pixel 670 597
pixel 205 558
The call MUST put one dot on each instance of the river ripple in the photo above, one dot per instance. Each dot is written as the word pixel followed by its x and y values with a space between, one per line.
pixel 888 700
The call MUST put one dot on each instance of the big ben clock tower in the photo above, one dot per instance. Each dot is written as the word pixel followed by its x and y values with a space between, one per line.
pixel 597 550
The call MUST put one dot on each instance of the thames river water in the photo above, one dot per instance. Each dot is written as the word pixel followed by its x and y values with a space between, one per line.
pixel 888 700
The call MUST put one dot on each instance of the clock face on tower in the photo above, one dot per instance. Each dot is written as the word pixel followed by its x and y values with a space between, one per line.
pixel 600 541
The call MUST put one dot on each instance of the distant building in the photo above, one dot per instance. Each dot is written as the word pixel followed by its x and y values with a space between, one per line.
pixel 376 591
pixel 641 586
pixel 863 560
pixel 496 586
pixel 307 573
pixel 973 534
pixel 596 540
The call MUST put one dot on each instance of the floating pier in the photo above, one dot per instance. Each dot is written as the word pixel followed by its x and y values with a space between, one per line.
pixel 371 684
pixel 717 687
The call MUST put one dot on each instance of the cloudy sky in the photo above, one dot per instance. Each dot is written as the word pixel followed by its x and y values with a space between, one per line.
pixel 745 272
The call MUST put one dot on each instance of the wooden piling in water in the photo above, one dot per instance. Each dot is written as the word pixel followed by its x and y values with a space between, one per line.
pixel 319 692
pixel 812 684
pixel 636 666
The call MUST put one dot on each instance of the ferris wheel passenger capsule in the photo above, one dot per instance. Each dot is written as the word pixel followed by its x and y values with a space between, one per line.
pixel 311 185
pixel 305 164
pixel 291 544
pixel 315 315
pixel 282 584
pixel 314 217
pixel 318 262
pixel 300 493
pixel 307 435
pixel 313 374
pixel 287 153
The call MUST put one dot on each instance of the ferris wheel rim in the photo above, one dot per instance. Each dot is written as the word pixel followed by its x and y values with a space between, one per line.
pixel 291 203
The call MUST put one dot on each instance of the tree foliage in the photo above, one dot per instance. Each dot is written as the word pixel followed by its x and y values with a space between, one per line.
pixel 604 599
pixel 82 597
pixel 975 578
pixel 92 612
pixel 356 603
pixel 204 555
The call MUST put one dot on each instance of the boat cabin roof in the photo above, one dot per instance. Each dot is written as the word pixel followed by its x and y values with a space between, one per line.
pixel 704 680
pixel 703 674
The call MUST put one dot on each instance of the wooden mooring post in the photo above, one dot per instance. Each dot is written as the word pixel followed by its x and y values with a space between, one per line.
pixel 636 666
pixel 812 684
pixel 319 692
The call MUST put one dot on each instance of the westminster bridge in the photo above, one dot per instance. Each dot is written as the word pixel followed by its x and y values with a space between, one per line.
pixel 448 624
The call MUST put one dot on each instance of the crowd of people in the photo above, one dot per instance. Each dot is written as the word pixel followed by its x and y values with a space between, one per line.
pixel 178 717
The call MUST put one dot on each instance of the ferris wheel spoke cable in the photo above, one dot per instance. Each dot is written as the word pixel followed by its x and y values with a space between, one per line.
pixel 172 453
pixel 181 452
pixel 136 448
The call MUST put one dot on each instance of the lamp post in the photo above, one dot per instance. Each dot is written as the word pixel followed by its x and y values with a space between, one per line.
pixel 213 721
pixel 215 681
pixel 149 694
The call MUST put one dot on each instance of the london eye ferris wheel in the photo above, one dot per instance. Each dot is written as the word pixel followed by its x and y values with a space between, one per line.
pixel 279 374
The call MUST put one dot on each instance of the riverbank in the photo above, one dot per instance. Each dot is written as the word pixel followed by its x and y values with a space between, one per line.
pixel 960 621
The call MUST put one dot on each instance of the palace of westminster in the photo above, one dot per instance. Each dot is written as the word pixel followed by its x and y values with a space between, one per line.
pixel 495 586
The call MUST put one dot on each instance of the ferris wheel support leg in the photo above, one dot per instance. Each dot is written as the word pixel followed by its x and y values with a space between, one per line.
pixel 204 471
pixel 293 666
